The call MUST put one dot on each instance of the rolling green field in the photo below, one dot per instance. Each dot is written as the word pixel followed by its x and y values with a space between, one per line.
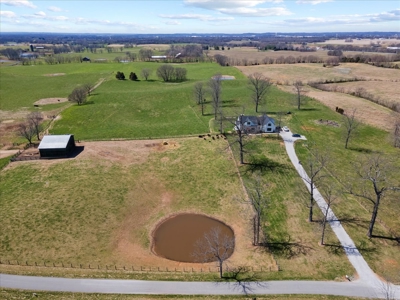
pixel 154 109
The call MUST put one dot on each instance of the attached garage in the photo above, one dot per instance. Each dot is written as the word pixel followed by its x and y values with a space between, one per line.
pixel 56 146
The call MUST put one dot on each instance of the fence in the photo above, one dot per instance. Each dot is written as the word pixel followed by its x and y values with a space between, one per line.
pixel 132 268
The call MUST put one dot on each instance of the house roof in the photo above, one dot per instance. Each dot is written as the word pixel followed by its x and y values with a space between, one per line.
pixel 54 141
pixel 263 120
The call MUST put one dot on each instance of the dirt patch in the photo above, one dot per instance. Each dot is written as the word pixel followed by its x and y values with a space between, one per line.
pixel 50 101
pixel 6 153
pixel 54 74
pixel 226 77
pixel 327 123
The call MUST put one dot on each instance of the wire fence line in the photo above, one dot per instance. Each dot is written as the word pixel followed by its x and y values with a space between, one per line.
pixel 132 268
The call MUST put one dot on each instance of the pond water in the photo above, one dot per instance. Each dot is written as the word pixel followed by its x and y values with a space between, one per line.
pixel 176 237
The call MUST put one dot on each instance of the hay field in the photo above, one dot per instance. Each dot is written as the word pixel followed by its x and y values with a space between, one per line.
pixel 361 42
pixel 313 72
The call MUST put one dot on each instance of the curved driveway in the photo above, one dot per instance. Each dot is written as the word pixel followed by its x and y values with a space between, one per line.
pixel 368 285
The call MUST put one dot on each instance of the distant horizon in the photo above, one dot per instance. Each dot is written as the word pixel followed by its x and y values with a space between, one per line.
pixel 207 33
pixel 198 16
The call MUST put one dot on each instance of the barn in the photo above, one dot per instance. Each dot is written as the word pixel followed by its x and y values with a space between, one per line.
pixel 56 146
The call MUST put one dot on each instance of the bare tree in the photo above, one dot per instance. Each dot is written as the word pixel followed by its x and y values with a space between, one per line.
pixel 259 203
pixel 222 60
pixel 215 91
pixel 88 87
pixel 328 193
pixel 259 85
pixel 180 74
pixel 314 167
pixel 350 126
pixel 145 54
pixel 300 92
pixel 214 246
pixel 78 95
pixel 199 95
pixel 241 133
pixel 166 72
pixel 279 117
pixel 27 130
pixel 375 179
pixel 146 73
pixel 34 119
pixel 396 132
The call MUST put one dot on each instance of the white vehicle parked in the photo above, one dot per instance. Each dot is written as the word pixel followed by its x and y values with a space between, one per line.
pixel 285 129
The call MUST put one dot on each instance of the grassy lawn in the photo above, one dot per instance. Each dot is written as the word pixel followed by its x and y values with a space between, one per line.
pixel 14 294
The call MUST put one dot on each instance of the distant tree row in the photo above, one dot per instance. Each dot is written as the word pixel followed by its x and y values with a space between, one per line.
pixel 378 60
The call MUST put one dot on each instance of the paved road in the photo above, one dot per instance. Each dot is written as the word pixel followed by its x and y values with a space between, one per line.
pixel 185 288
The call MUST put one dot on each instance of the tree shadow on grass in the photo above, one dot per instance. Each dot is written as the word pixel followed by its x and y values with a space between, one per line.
pixel 361 150
pixel 230 103
pixel 261 163
pixel 396 239
pixel 352 221
pixel 287 249
pixel 335 249
pixel 310 109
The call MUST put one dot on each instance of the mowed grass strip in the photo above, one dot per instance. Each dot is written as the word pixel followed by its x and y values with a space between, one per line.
pixel 101 208
pixel 18 294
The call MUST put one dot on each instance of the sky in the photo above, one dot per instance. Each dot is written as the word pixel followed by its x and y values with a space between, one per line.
pixel 198 16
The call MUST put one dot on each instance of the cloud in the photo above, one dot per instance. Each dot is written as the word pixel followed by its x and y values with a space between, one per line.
pixel 172 23
pixel 347 20
pixel 217 4
pixel 40 14
pixel 240 7
pixel 393 15
pixel 7 14
pixel 201 17
pixel 54 8
pixel 313 2
pixel 256 12
pixel 18 3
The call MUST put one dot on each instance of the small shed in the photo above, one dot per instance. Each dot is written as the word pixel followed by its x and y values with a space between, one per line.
pixel 56 146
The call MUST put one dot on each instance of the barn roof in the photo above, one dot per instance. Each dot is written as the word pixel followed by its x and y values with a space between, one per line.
pixel 54 141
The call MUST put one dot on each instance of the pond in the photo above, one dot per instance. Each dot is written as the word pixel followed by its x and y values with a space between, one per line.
pixel 177 238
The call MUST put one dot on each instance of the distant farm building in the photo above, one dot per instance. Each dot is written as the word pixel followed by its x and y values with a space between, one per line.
pixel 159 57
pixel 56 146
